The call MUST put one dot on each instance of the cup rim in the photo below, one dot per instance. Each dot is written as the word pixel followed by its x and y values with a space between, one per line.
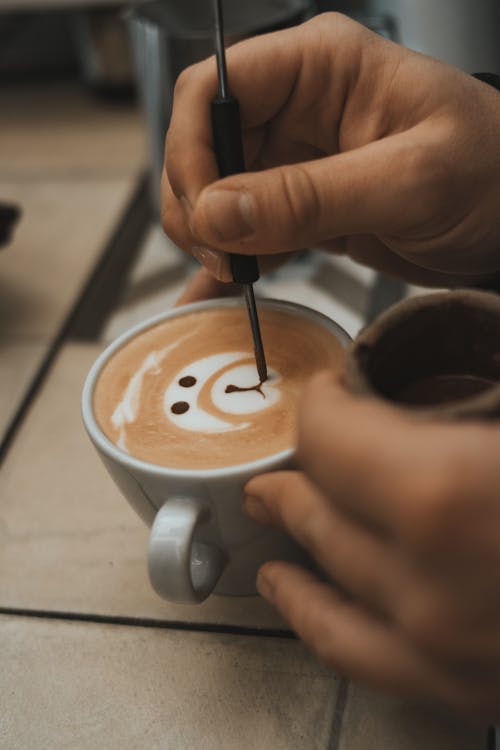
pixel 112 451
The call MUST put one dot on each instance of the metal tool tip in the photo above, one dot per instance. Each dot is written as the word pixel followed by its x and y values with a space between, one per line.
pixel 260 357
pixel 262 369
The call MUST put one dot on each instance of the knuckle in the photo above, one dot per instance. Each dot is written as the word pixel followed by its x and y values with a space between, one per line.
pixel 185 80
pixel 300 195
pixel 338 21
pixel 282 495
pixel 173 227
pixel 292 506
pixel 427 621
pixel 435 173
pixel 427 167
pixel 166 212
pixel 435 500
pixel 311 532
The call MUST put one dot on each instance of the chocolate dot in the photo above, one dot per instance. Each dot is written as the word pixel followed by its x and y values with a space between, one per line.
pixel 188 381
pixel 179 407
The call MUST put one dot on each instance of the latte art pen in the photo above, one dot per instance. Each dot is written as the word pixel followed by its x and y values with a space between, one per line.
pixel 228 146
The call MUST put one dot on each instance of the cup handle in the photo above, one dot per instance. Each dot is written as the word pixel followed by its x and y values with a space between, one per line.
pixel 180 568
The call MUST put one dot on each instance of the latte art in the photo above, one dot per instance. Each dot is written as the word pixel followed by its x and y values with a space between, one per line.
pixel 185 393
pixel 211 395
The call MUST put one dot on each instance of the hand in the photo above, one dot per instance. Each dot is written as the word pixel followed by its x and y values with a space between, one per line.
pixel 203 285
pixel 403 517
pixel 353 143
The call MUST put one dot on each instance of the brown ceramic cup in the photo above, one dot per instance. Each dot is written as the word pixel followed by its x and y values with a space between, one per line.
pixel 438 354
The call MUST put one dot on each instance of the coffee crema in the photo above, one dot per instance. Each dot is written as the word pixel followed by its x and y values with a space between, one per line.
pixel 185 393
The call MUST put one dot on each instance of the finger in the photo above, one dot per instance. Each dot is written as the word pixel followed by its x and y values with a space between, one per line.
pixel 375 460
pixel 355 557
pixel 303 69
pixel 300 205
pixel 346 637
pixel 176 223
pixel 174 218
pixel 189 156
pixel 203 285
pixel 369 251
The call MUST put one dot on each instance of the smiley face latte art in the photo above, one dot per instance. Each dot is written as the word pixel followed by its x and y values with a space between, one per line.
pixel 186 394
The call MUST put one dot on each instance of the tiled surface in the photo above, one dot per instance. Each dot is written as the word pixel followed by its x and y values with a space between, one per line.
pixel 155 282
pixel 19 362
pixel 71 163
pixel 60 238
pixel 61 130
pixel 162 271
pixel 372 721
pixel 68 540
pixel 81 686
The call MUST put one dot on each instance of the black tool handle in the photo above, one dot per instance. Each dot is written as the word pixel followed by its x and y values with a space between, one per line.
pixel 228 146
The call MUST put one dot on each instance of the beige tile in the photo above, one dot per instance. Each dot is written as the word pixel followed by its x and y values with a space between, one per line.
pixel 19 362
pixel 134 312
pixel 59 240
pixel 306 293
pixel 82 686
pixel 373 721
pixel 159 257
pixel 154 283
pixel 61 130
pixel 68 540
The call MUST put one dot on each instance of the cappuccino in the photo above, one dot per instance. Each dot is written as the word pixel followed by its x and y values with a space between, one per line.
pixel 185 393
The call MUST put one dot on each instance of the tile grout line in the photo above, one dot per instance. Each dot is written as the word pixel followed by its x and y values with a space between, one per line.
pixel 338 715
pixel 138 197
pixel 148 622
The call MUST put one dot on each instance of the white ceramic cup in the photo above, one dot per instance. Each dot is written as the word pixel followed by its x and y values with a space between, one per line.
pixel 200 541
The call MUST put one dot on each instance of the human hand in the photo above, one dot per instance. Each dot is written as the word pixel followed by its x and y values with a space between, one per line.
pixel 353 143
pixel 403 517
pixel 203 285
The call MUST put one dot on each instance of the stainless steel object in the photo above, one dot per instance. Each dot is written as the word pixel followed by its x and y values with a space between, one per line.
pixel 228 146
pixel 260 357
pixel 168 36
pixel 465 33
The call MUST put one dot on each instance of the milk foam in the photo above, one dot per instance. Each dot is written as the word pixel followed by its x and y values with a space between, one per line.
pixel 185 393
pixel 195 418
pixel 128 408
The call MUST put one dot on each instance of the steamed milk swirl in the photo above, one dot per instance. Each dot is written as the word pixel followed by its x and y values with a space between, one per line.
pixel 186 394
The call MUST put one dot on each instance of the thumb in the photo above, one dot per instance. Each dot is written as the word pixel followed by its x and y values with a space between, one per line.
pixel 369 190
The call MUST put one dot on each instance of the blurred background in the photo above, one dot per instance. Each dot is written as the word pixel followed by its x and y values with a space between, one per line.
pixel 88 72
pixel 64 58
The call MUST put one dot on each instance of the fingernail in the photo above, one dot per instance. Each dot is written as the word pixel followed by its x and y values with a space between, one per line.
pixel 231 214
pixel 215 262
pixel 255 508
pixel 265 586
